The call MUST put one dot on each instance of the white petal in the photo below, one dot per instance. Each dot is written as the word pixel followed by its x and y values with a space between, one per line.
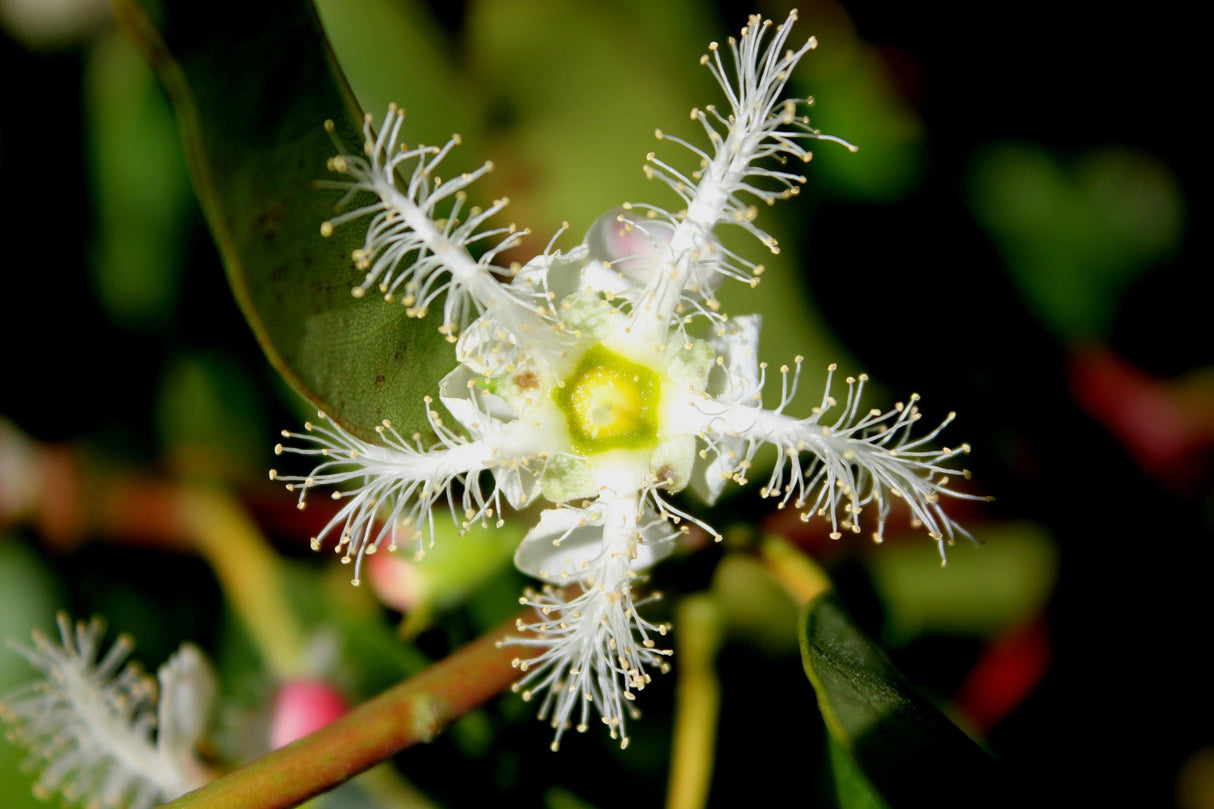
pixel 739 351
pixel 737 380
pixel 558 273
pixel 187 691
pixel 477 413
pixel 568 541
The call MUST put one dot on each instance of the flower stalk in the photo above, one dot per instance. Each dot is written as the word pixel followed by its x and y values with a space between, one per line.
pixel 697 703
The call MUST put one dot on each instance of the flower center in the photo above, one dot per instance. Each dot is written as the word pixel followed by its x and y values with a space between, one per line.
pixel 610 402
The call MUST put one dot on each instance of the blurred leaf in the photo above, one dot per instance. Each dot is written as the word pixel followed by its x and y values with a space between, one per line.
pixel 29 595
pixel 753 604
pixel 901 742
pixel 792 323
pixel 983 590
pixel 575 107
pixel 209 416
pixel 851 787
pixel 381 787
pixel 251 99
pixel 862 102
pixel 393 51
pixel 462 563
pixel 139 184
pixel 16 780
pixel 372 654
pixel 1074 237
pixel 561 798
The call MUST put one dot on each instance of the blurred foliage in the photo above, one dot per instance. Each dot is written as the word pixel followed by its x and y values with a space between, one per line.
pixel 209 417
pixel 1075 237
pixel 140 186
pixel 29 597
pixel 984 590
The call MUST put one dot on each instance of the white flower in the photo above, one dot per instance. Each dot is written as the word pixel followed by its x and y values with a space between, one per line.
pixel 92 720
pixel 581 382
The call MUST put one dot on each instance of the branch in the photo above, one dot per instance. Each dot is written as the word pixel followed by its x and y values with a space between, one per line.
pixel 414 711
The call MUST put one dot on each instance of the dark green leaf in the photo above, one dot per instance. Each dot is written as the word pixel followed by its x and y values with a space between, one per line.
pixel 851 787
pixel 252 84
pixel 905 747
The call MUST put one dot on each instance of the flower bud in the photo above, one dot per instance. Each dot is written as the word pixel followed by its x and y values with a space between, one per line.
pixel 303 706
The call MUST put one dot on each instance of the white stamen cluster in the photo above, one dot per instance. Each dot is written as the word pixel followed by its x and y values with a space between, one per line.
pixel 411 247
pixel 593 646
pixel 579 382
pixel 92 720
pixel 760 126
pixel 860 457
pixel 404 475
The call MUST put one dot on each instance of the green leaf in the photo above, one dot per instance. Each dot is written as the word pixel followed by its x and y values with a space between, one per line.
pixel 904 745
pixel 252 84
pixel 860 102
pixel 29 593
pixel 210 417
pixel 754 606
pixel 138 178
pixel 396 51
pixel 851 787
pixel 983 590
pixel 580 105
pixel 1075 234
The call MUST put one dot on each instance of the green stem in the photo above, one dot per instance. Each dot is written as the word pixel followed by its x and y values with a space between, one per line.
pixel 697 701
pixel 414 711
pixel 248 571
pixel 798 573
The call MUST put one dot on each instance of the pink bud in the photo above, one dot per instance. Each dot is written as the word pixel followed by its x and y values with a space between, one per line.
pixel 631 244
pixel 394 580
pixel 301 707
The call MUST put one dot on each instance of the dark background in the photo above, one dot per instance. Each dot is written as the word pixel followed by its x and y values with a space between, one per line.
pixel 915 287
